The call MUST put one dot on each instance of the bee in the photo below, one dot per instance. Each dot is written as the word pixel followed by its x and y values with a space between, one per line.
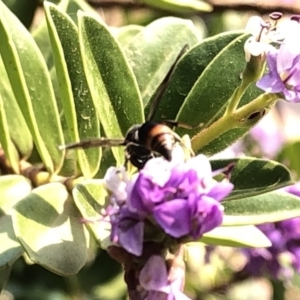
pixel 143 141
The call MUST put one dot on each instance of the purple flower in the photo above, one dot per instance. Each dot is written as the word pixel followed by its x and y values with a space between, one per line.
pixel 183 198
pixel 178 198
pixel 154 279
pixel 293 189
pixel 128 230
pixel 285 239
pixel 278 260
pixel 284 68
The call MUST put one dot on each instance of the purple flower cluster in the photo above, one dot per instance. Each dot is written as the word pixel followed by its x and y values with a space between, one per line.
pixel 180 200
pixel 278 260
pixel 284 66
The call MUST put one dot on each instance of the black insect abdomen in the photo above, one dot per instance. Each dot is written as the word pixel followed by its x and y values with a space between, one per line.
pixel 158 138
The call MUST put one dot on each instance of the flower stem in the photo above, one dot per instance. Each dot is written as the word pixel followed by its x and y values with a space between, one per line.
pixel 260 103
pixel 236 98
pixel 237 119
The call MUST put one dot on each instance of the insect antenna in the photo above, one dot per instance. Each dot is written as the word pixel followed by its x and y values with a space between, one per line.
pixel 102 142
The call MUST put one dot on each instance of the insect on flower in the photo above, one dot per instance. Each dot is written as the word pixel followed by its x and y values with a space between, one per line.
pixel 143 141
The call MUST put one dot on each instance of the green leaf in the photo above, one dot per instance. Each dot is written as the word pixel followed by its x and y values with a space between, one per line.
pixel 194 62
pixel 181 7
pixel 10 249
pixel 228 138
pixel 125 33
pixel 252 176
pixel 46 223
pixel 236 236
pixel 12 189
pixel 211 91
pixel 21 137
pixel 23 9
pixel 8 147
pixel 31 85
pixel 152 52
pixel 206 101
pixel 40 33
pixel 90 197
pixel 75 5
pixel 112 83
pixel 268 207
pixel 76 98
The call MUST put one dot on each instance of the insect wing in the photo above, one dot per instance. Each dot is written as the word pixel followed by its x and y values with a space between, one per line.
pixel 163 86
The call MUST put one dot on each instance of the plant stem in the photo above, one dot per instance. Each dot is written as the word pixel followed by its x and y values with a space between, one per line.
pixel 261 102
pixel 236 98
pixel 236 119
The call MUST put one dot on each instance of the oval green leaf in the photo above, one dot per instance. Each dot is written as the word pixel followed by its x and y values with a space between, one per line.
pixel 32 87
pixel 76 98
pixel 180 7
pixel 40 32
pixel 10 248
pixel 125 33
pixel 252 176
pixel 47 223
pixel 111 81
pixel 21 137
pixel 12 189
pixel 8 147
pixel 208 97
pixel 23 9
pixel 236 236
pixel 152 52
pixel 194 62
pixel 90 197
pixel 265 208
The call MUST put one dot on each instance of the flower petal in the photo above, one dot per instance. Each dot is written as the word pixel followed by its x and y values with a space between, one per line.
pixel 154 276
pixel 174 217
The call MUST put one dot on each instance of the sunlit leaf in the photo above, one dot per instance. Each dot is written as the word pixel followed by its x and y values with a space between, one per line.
pixel 22 137
pixel 111 81
pixel 268 207
pixel 8 147
pixel 236 236
pixel 40 33
pixel 32 87
pixel 126 33
pixel 90 197
pixel 180 6
pixel 153 50
pixel 76 98
pixel 47 223
pixel 12 189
